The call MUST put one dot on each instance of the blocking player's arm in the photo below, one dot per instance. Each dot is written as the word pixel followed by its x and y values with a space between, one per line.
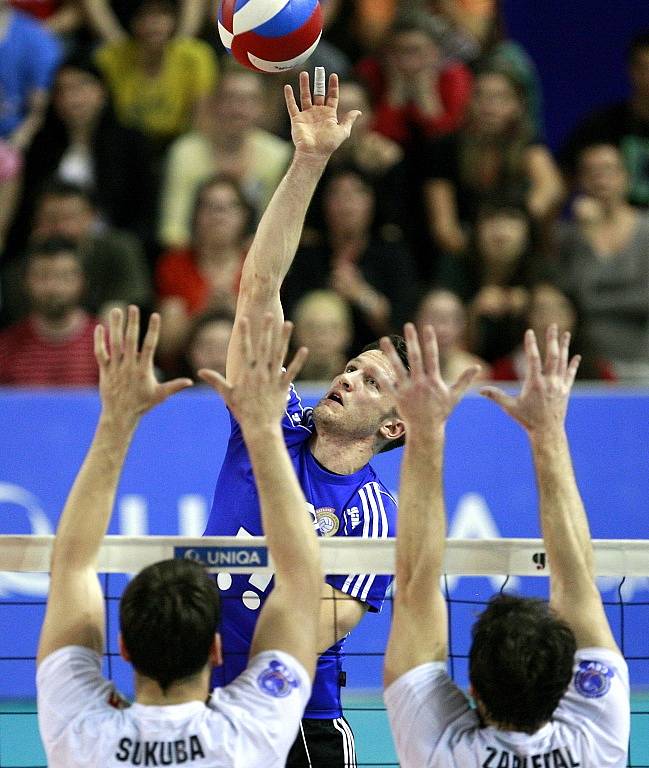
pixel 290 617
pixel 541 409
pixel 128 388
pixel 316 133
pixel 419 621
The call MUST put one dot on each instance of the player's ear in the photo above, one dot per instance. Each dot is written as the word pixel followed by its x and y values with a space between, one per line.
pixel 216 651
pixel 392 428
pixel 123 650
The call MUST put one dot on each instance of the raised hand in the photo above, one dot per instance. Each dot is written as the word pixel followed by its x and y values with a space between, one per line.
pixel 315 129
pixel 423 398
pixel 127 385
pixel 258 395
pixel 543 400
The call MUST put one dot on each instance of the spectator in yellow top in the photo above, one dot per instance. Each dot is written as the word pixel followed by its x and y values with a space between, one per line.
pixel 158 80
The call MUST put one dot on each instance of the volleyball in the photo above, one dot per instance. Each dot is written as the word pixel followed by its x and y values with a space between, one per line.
pixel 270 35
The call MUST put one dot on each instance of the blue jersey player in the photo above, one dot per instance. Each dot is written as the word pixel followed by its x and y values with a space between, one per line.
pixel 330 445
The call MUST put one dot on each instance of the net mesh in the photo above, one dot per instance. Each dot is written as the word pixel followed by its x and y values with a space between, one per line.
pixel 474 571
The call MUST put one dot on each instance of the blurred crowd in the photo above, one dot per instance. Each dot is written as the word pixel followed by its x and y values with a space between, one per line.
pixel 136 158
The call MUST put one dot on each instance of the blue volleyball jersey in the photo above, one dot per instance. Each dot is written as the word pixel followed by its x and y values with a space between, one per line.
pixel 339 505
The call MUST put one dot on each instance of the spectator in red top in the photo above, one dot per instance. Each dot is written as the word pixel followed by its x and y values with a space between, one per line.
pixel 54 345
pixel 414 89
pixel 548 304
pixel 206 275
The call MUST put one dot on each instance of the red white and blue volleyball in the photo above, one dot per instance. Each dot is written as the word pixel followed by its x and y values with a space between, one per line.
pixel 270 35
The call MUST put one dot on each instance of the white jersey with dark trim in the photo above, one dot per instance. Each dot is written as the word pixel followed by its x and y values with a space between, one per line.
pixel 434 727
pixel 253 721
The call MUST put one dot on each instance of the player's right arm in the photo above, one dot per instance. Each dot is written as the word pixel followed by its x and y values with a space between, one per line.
pixel 289 620
pixel 316 133
pixel 418 634
pixel 541 409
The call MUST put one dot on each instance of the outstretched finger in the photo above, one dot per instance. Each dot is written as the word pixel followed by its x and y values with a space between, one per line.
pixel 552 352
pixel 415 359
pixel 245 341
pixel 174 386
pixel 295 366
pixel 150 341
pixel 563 354
pixel 431 351
pixel 116 334
pixel 132 332
pixel 333 92
pixel 349 119
pixel 101 353
pixel 505 401
pixel 319 86
pixel 572 370
pixel 305 91
pixel 266 343
pixel 387 347
pixel 281 345
pixel 465 380
pixel 534 367
pixel 216 381
pixel 291 104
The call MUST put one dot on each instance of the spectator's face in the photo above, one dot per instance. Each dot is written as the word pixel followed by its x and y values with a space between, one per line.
pixel 209 348
pixel 154 27
pixel 413 52
pixel 239 101
pixel 324 329
pixel 639 72
pixel 444 311
pixel 54 285
pixel 220 215
pixel 549 305
pixel 348 205
pixel 495 105
pixel 69 217
pixel 502 238
pixel 602 174
pixel 78 97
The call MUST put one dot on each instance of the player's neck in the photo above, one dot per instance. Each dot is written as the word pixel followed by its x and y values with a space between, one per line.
pixel 149 693
pixel 340 455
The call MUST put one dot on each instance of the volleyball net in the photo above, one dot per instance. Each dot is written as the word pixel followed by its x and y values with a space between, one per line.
pixel 474 570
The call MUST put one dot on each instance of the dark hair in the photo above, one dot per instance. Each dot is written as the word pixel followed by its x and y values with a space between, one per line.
pixel 56 188
pixel 638 44
pixel 231 181
pixel 51 247
pixel 520 662
pixel 165 6
pixel 399 344
pixel 168 616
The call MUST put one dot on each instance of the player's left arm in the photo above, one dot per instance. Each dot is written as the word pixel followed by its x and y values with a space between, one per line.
pixel 128 388
pixel 419 628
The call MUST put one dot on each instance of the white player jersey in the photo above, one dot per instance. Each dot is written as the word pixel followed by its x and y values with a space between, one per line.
pixel 250 723
pixel 434 727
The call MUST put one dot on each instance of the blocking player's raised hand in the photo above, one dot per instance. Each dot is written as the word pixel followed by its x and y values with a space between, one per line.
pixel 422 396
pixel 542 402
pixel 316 128
pixel 257 396
pixel 127 384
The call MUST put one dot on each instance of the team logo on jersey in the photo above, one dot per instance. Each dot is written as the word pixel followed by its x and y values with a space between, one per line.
pixel 593 679
pixel 277 680
pixel 354 516
pixel 328 521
